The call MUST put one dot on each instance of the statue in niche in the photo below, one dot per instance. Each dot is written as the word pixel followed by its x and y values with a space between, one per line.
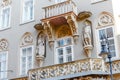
pixel 87 38
pixel 40 48
pixel 41 44
pixel 87 35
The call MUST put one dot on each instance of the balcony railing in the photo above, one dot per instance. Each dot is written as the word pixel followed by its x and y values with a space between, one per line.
pixel 85 66
pixel 60 8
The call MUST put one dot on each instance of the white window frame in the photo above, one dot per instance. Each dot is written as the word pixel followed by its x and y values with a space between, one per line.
pixel 26 61
pixel 23 20
pixel 58 1
pixel 56 61
pixel 2 27
pixel 98 41
pixel 96 1
pixel 5 72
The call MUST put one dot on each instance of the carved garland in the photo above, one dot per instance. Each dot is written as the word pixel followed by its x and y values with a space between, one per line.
pixel 3 45
pixel 27 39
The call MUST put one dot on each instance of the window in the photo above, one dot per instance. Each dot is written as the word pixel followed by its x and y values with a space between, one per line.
pixel 26 59
pixel 28 12
pixel 5 18
pixel 108 33
pixel 3 65
pixel 58 1
pixel 64 50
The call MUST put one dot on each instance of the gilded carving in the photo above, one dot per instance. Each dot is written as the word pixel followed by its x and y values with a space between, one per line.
pixel 72 24
pixel 3 45
pixel 105 19
pixel 6 2
pixel 64 31
pixel 27 39
pixel 49 33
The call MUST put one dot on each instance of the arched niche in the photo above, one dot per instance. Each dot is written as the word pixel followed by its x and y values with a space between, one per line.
pixel 3 45
pixel 27 39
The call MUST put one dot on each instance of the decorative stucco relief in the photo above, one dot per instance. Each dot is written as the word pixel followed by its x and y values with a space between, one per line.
pixel 27 39
pixel 105 19
pixel 6 2
pixel 3 45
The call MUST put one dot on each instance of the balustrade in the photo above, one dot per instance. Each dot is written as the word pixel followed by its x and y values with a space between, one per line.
pixel 60 8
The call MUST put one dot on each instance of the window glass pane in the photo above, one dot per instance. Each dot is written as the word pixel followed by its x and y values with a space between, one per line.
pixel 60 59
pixel 69 58
pixel 68 41
pixel 109 32
pixel 24 52
pixel 68 50
pixel 102 34
pixel 60 51
pixel 29 51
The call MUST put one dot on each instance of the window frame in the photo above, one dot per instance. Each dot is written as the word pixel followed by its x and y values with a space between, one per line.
pixel 59 1
pixel 22 20
pixel 6 52
pixel 96 1
pixel 56 56
pixel 99 44
pixel 1 12
pixel 32 54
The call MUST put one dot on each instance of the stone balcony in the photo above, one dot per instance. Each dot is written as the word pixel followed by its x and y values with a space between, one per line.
pixel 69 70
pixel 59 9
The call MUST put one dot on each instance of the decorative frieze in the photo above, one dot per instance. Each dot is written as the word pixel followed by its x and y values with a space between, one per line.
pixel 115 66
pixel 74 67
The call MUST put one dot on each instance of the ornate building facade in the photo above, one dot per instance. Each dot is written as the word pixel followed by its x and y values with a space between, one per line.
pixel 59 39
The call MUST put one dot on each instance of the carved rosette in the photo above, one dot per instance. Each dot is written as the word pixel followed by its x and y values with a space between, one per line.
pixel 3 45
pixel 27 39
pixel 105 19
pixel 6 2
